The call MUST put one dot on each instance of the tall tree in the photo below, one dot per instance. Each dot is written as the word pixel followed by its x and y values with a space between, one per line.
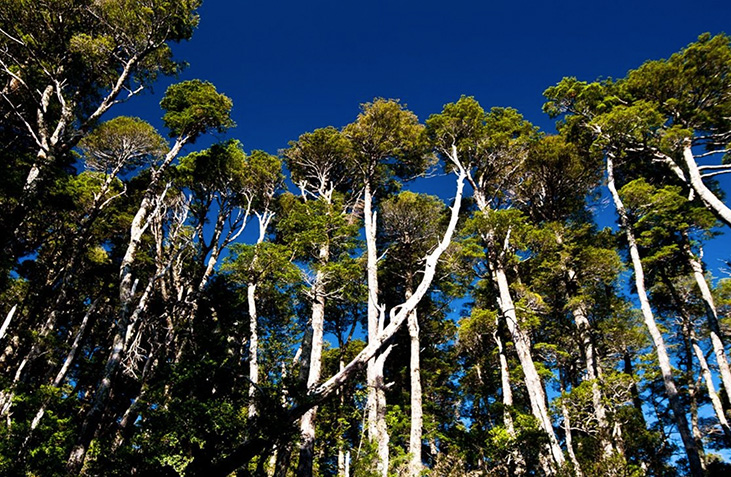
pixel 192 108
pixel 65 64
pixel 320 228
pixel 388 144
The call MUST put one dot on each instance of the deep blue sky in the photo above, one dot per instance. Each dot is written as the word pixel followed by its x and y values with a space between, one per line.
pixel 291 67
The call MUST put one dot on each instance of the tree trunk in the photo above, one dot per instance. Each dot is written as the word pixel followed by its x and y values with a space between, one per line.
pixel 253 348
pixel 254 324
pixel 584 327
pixel 93 418
pixel 712 319
pixel 719 209
pixel 70 356
pixel 243 453
pixel 307 425
pixel 415 464
pixel 567 430
pixel 711 388
pixel 376 400
pixel 692 390
pixel 519 462
pixel 6 323
pixel 691 450
pixel 533 383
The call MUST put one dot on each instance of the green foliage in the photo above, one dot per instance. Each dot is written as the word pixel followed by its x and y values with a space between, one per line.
pixel 193 108
pixel 321 159
pixel 121 143
pixel 388 142
pixel 87 44
pixel 178 401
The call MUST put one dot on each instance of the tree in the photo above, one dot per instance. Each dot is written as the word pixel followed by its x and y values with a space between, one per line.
pixel 493 146
pixel 192 108
pixel 64 64
pixel 387 143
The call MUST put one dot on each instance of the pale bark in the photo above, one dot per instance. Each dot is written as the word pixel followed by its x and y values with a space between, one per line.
pixel 702 362
pixel 518 461
pixel 253 347
pixel 713 203
pixel 712 318
pixel 663 358
pixel 711 388
pixel 569 434
pixel 264 220
pixel 307 425
pixel 149 207
pixel 415 435
pixel 123 329
pixel 343 455
pixel 521 341
pixel 376 399
pixel 70 356
pixel 692 391
pixel 399 314
pixel 139 225
pixel 6 322
pixel 600 412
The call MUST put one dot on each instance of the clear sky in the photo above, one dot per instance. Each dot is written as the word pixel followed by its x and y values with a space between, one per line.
pixel 293 66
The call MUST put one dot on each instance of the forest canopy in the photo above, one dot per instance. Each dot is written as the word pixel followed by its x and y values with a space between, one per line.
pixel 172 303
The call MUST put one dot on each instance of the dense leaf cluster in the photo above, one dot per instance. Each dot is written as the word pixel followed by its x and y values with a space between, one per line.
pixel 198 314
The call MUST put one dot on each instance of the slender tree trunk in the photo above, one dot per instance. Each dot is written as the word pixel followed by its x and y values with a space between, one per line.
pixel 519 462
pixel 415 436
pixel 307 425
pixel 719 209
pixel 343 455
pixel 533 383
pixel 691 450
pixel 700 356
pixel 717 341
pixel 254 324
pixel 692 390
pixel 600 412
pixel 7 320
pixel 241 455
pixel 567 430
pixel 376 400
pixel 70 356
pixel 711 388
pixel 93 418
pixel 253 348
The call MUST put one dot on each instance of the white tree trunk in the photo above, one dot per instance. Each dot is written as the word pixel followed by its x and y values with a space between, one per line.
pixel 415 436
pixel 6 323
pixel 399 313
pixel 307 425
pixel 712 318
pixel 264 220
pixel 711 388
pixel 70 356
pixel 569 434
pixel 521 341
pixel 376 399
pixel 584 327
pixel 663 358
pixel 519 462
pixel 712 202
pixel 253 347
